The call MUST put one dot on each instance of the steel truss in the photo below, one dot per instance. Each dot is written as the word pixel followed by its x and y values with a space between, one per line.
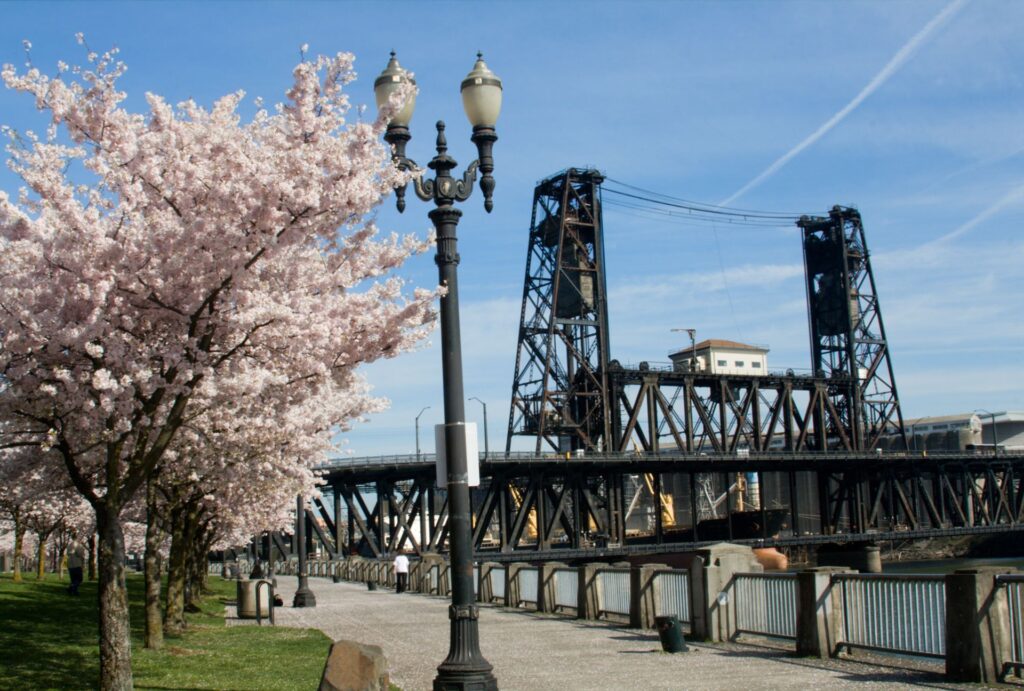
pixel 847 334
pixel 673 412
pixel 615 505
pixel 559 382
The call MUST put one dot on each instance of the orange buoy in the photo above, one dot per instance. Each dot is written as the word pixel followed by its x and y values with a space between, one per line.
pixel 771 558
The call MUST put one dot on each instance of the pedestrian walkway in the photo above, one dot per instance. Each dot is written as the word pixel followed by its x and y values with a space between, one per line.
pixel 538 652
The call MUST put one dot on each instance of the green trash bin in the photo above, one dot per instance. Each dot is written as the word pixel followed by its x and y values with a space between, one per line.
pixel 671 634
pixel 370 585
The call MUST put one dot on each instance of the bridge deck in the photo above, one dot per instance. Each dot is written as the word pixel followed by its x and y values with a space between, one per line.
pixel 536 652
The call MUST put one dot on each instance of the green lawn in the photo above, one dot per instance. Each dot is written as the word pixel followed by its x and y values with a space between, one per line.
pixel 48 640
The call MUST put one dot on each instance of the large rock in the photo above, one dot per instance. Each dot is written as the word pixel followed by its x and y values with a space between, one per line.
pixel 353 666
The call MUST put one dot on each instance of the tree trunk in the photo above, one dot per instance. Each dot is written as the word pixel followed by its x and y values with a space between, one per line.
pixel 19 545
pixel 154 621
pixel 196 571
pixel 174 611
pixel 92 557
pixel 115 627
pixel 41 557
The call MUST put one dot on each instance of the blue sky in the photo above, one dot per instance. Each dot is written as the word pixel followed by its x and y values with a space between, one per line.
pixel 689 99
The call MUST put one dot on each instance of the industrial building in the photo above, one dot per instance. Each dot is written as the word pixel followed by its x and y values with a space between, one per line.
pixel 718 356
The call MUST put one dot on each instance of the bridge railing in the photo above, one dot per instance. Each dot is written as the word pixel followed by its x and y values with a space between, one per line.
pixel 1014 585
pixel 673 595
pixel 613 591
pixel 766 604
pixel 398 460
pixel 567 589
pixel 893 613
pixel 526 587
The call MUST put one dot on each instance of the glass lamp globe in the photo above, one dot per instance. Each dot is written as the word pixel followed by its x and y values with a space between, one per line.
pixel 387 83
pixel 481 95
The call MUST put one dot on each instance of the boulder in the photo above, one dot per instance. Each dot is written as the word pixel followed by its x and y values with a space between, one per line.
pixel 352 666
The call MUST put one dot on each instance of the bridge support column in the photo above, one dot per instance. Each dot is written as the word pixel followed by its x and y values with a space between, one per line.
pixel 977 626
pixel 819 612
pixel 866 558
pixel 713 616
pixel 587 604
pixel 643 599
pixel 546 585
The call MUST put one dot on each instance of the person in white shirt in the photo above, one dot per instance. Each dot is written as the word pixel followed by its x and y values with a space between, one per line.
pixel 401 573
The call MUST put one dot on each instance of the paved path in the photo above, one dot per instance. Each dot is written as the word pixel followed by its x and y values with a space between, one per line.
pixel 535 652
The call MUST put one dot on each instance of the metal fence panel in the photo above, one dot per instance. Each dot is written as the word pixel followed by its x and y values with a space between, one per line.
pixel 613 591
pixel 528 585
pixel 498 582
pixel 1014 600
pixel 434 576
pixel 673 589
pixel 567 586
pixel 901 614
pixel 765 604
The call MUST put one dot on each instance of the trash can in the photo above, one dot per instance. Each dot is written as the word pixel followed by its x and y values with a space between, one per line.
pixel 370 585
pixel 246 599
pixel 671 634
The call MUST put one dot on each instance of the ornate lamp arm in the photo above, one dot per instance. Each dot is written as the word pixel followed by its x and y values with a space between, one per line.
pixel 444 190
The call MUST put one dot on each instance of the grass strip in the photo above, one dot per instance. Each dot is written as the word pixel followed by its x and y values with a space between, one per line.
pixel 49 640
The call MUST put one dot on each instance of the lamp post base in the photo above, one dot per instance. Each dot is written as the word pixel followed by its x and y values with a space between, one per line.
pixel 465 669
pixel 304 597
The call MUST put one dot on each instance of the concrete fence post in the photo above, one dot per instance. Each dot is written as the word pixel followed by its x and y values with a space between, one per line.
pixel 485 590
pixel 427 564
pixel 643 598
pixel 512 598
pixel 546 585
pixel 586 595
pixel 978 642
pixel 415 569
pixel 444 581
pixel 720 562
pixel 819 612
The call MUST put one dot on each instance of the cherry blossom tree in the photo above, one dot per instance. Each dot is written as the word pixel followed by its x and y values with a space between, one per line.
pixel 158 259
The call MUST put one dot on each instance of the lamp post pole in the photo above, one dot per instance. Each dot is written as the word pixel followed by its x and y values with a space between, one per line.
pixel 425 408
pixel 465 667
pixel 692 333
pixel 487 450
pixel 303 596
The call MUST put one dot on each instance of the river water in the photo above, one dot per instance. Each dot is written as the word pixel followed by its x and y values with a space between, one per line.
pixel 949 565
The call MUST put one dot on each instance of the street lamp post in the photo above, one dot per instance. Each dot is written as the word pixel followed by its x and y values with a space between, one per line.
pixel 995 435
pixel 692 333
pixel 465 667
pixel 303 596
pixel 487 450
pixel 425 408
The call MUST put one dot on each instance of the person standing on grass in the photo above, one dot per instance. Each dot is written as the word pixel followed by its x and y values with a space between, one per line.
pixel 76 561
pixel 401 573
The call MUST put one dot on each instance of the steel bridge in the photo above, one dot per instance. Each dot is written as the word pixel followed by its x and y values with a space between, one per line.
pixel 546 507
pixel 643 459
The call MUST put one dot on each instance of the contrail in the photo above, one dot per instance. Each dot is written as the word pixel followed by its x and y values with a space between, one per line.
pixel 901 56
pixel 1013 196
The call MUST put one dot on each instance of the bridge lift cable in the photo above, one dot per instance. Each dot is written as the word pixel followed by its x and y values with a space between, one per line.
pixel 688 218
pixel 660 198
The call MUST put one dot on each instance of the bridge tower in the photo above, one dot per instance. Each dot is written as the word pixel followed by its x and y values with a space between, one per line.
pixel 848 344
pixel 560 382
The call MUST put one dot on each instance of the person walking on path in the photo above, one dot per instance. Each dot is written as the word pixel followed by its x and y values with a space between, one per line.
pixel 401 573
pixel 76 561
